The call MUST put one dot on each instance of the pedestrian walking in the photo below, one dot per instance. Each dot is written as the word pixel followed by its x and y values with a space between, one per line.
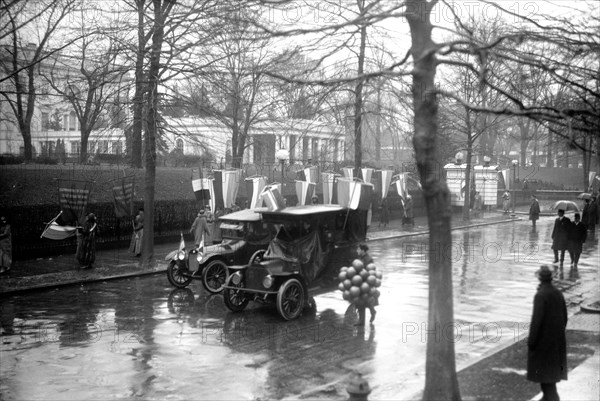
pixel 135 246
pixel 590 213
pixel 408 212
pixel 506 202
pixel 384 216
pixel 363 255
pixel 560 236
pixel 5 245
pixel 199 228
pixel 577 237
pixel 547 342
pixel 534 210
pixel 86 242
pixel 477 205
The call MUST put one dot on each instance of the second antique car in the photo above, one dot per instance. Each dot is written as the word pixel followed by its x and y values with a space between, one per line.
pixel 312 243
pixel 245 238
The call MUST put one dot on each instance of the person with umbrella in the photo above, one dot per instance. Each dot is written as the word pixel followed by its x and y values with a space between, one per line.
pixel 560 236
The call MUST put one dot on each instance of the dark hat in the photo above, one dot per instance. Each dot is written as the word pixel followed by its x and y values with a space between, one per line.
pixel 92 216
pixel 544 273
pixel 201 211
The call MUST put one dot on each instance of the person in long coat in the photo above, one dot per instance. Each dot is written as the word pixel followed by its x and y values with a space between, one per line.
pixel 200 228
pixel 547 342
pixel 506 202
pixel 384 216
pixel 577 237
pixel 408 211
pixel 560 236
pixel 135 246
pixel 5 245
pixel 594 215
pixel 534 210
pixel 86 242
pixel 477 204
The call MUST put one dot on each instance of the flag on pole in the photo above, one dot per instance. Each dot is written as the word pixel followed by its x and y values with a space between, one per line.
pixel 354 194
pixel 386 181
pixel 73 198
pixel 200 186
pixel 229 186
pixel 123 199
pixel 181 243
pixel 254 187
pixel 367 174
pixel 56 231
pixel 348 172
pixel 304 191
pixel 401 185
pixel 272 196
pixel 329 181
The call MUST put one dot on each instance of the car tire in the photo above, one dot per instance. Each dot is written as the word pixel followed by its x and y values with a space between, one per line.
pixel 214 276
pixel 178 274
pixel 291 299
pixel 256 257
pixel 234 298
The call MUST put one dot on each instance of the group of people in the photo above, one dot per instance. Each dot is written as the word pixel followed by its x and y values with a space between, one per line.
pixel 408 216
pixel 569 236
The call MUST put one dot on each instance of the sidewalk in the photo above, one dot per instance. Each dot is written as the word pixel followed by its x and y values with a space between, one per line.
pixel 112 264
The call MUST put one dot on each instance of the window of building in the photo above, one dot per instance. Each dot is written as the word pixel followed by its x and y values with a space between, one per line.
pixel 72 121
pixel 179 145
pixel 75 147
pixel 45 121
pixel 103 147
pixel 117 147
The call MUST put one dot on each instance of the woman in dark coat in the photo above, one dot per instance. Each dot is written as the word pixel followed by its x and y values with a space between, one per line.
pixel 547 342
pixel 86 242
pixel 560 236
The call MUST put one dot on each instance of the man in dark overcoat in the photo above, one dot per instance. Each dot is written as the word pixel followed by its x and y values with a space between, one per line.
pixel 534 210
pixel 577 237
pixel 547 342
pixel 560 236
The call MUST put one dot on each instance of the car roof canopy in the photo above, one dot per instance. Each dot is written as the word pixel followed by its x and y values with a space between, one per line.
pixel 242 215
pixel 300 212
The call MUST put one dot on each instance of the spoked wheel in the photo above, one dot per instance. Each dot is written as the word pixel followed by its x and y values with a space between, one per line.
pixel 214 276
pixel 235 299
pixel 290 299
pixel 178 274
pixel 257 257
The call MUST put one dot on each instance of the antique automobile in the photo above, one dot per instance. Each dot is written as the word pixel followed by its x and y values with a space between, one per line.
pixel 312 243
pixel 245 238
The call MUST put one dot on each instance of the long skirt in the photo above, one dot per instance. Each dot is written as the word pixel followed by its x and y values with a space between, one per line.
pixel 86 249
pixel 135 246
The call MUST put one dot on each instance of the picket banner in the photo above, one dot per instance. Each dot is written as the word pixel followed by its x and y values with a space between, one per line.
pixel 386 181
pixel 354 194
pixel 73 197
pixel 272 197
pixel 254 187
pixel 230 185
pixel 401 185
pixel 367 174
pixel 304 192
pixel 329 181
pixel 348 172
pixel 123 199
pixel 200 186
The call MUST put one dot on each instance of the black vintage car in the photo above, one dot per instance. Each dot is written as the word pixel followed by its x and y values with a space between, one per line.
pixel 312 243
pixel 245 238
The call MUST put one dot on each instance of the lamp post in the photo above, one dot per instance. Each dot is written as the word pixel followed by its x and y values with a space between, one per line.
pixel 515 163
pixel 282 155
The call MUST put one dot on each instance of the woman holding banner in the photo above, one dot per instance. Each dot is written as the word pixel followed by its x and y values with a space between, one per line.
pixel 86 242
pixel 135 246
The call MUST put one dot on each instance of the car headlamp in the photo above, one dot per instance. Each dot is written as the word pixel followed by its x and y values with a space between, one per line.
pixel 236 278
pixel 181 255
pixel 267 281
pixel 200 257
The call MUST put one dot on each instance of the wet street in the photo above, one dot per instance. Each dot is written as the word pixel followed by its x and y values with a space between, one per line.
pixel 140 338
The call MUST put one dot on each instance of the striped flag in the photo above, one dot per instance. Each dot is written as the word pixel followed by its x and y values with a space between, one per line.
pixel 200 186
pixel 272 196
pixel 311 174
pixel 505 176
pixel 211 191
pixel 367 174
pixel 354 194
pixel 123 199
pixel 401 185
pixel 73 198
pixel 304 191
pixel 218 190
pixel 329 181
pixel 386 181
pixel 348 172
pixel 231 185
pixel 254 187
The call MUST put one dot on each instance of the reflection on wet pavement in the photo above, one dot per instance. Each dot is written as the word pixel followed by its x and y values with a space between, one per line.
pixel 142 338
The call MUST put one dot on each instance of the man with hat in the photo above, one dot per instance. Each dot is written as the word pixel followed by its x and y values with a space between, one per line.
pixel 547 342
pixel 560 236
pixel 576 239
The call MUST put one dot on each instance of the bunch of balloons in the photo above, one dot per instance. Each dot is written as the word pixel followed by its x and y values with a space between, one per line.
pixel 359 283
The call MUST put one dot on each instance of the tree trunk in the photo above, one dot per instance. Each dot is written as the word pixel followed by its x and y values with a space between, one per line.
pixel 83 150
pixel 151 135
pixel 358 100
pixel 441 381
pixel 135 153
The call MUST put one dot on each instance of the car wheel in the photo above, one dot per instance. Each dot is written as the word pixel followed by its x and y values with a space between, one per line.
pixel 178 274
pixel 290 299
pixel 234 298
pixel 257 257
pixel 214 276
